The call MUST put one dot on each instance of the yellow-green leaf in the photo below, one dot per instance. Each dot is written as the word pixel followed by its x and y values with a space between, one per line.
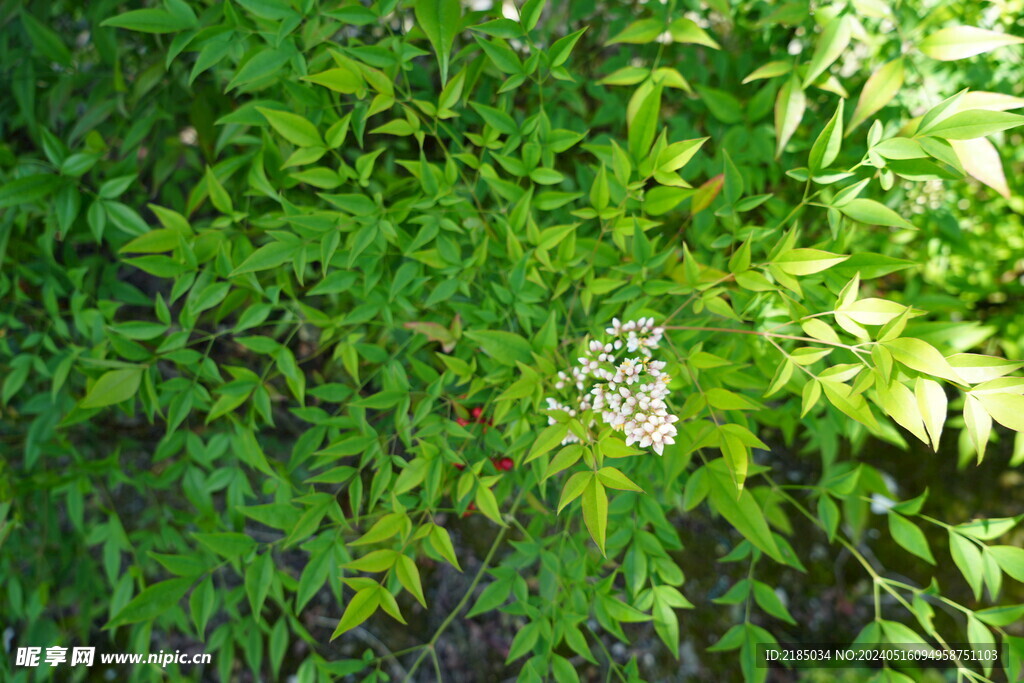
pixel 362 605
pixel 921 356
pixel 932 402
pixel 960 42
pixel 339 79
pixel 409 576
pixel 292 127
pixel 790 104
pixel 113 387
pixel 879 90
pixel 978 423
pixel 574 488
pixel 613 478
pixel 488 504
pixel 833 40
pixel 807 261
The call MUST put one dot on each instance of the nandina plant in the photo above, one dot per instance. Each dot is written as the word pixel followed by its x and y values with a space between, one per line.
pixel 310 307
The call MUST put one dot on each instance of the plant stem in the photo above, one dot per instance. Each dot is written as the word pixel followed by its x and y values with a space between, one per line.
pixel 429 646
pixel 760 333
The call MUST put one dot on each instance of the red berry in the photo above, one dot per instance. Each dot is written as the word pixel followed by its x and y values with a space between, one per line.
pixel 469 510
pixel 461 421
pixel 505 464
pixel 458 466
pixel 476 413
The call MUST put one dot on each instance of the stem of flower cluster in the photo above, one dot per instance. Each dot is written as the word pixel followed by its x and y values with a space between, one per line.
pixel 760 333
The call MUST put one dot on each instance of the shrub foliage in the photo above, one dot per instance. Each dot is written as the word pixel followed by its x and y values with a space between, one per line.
pixel 287 284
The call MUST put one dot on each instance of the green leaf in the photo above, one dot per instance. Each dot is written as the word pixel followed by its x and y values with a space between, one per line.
pixel 500 28
pixel 683 30
pixel 490 598
pixel 384 528
pixel 275 515
pixel 627 75
pixel 978 423
pixel 440 20
pixel 227 544
pixel 292 127
pixel 113 387
pixel 676 155
pixel 488 504
pixel 409 576
pixel 724 106
pixel 546 176
pixel 504 347
pixel 201 604
pixel 742 512
pixel 828 513
pixel 789 110
pixel 733 187
pixel 258 577
pixel 737 594
pixel 220 198
pixel 910 537
pixel 807 261
pixel 826 147
pixel 27 189
pixel 737 457
pixel 923 357
pixel 150 21
pixel 872 311
pixel 988 529
pixel 599 193
pixel 45 40
pixel 613 478
pixel 261 67
pixel 377 561
pixel 547 440
pixel 967 558
pixel 574 487
pixel 338 79
pixel 1001 616
pixel 833 40
pixel 960 42
pixel 595 511
pixel 524 641
pixel 1010 559
pixel 900 403
pixel 1006 409
pixel 496 119
pixel 267 257
pixel 770 602
pixel 644 124
pixel 441 541
pixel 870 212
pixel 529 13
pixel 879 90
pixel 769 70
pixel 639 32
pixel 562 48
pixel 564 459
pixel 981 160
pixel 152 602
pixel 501 56
pixel 933 404
pixel 362 605
pixel 975 123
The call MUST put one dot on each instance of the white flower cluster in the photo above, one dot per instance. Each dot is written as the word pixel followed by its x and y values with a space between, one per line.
pixel 628 394
pixel 640 335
